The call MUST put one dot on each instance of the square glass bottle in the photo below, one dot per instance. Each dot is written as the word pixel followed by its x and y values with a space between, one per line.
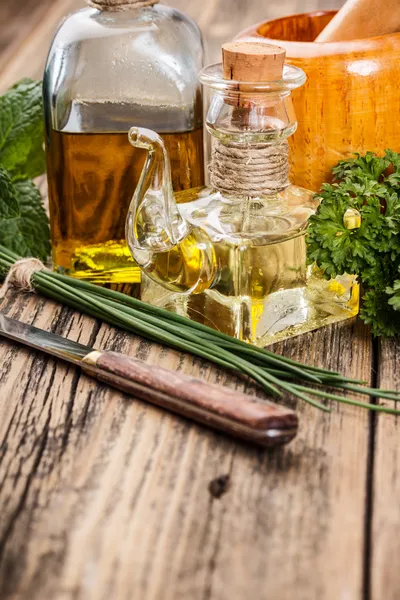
pixel 113 64
pixel 233 255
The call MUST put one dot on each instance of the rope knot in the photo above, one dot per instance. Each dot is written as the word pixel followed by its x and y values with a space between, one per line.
pixel 20 275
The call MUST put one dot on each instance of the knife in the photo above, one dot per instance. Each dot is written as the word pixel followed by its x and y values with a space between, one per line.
pixel 243 416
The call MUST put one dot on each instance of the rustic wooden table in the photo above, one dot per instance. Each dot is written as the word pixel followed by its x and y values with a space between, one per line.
pixel 103 497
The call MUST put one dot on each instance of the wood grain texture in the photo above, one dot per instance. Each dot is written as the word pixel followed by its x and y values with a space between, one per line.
pixel 385 487
pixel 29 53
pixel 18 20
pixel 216 406
pixel 105 497
pixel 362 19
pixel 348 101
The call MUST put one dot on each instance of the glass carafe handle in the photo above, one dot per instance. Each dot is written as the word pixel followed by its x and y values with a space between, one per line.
pixel 166 246
pixel 154 223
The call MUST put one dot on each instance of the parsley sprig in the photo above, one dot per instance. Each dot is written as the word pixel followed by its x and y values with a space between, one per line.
pixel 367 186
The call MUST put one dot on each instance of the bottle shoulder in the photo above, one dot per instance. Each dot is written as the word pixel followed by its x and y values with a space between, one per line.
pixel 152 43
pixel 265 220
pixel 137 62
pixel 91 24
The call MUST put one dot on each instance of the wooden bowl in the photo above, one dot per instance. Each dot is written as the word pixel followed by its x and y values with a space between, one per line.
pixel 351 101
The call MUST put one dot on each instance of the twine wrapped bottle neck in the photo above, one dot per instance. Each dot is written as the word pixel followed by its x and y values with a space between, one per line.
pixel 257 168
pixel 115 5
pixel 250 172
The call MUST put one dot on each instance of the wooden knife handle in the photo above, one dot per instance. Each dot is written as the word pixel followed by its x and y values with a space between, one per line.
pixel 227 410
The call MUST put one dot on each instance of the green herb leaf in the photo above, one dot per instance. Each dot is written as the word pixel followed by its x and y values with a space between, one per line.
pixel 21 130
pixel 9 208
pixel 27 234
pixel 371 186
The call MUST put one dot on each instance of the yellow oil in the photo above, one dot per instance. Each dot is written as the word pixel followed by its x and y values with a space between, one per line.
pixel 188 267
pixel 92 178
pixel 244 270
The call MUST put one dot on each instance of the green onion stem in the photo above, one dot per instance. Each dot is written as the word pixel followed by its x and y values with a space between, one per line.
pixel 209 351
pixel 274 373
pixel 376 393
pixel 186 332
pixel 373 407
pixel 170 316
pixel 297 392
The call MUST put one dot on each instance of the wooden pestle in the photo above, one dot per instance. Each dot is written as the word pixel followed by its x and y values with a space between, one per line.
pixel 359 19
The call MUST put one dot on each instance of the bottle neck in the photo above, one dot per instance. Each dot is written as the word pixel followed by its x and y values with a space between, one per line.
pixel 116 5
pixel 250 171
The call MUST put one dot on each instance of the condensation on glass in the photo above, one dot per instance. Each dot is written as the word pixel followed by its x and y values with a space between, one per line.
pixel 107 71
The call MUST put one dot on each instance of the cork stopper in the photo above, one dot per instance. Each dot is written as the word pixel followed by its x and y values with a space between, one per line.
pixel 252 61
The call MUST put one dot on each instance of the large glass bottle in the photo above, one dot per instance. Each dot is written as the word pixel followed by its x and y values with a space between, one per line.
pixel 233 255
pixel 113 65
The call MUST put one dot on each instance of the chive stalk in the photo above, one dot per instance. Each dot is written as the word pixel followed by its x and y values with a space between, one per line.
pixel 275 374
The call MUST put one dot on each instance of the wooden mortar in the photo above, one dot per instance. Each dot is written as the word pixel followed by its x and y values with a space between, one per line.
pixel 351 100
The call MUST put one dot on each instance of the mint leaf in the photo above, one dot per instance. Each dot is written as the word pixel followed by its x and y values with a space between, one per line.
pixel 8 196
pixel 27 234
pixel 21 130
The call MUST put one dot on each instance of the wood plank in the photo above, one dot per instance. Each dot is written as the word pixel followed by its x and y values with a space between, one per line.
pixel 385 517
pixel 18 20
pixel 104 497
pixel 218 19
pixel 29 54
pixel 129 484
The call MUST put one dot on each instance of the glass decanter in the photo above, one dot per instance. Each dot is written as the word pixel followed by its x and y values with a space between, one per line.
pixel 110 66
pixel 233 255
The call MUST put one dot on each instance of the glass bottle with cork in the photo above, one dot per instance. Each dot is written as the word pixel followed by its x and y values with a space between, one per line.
pixel 115 64
pixel 233 255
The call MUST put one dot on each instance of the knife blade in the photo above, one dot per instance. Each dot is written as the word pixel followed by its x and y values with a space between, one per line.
pixel 241 415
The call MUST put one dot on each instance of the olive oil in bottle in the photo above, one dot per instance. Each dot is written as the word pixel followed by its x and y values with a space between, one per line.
pixel 111 66
pixel 91 178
